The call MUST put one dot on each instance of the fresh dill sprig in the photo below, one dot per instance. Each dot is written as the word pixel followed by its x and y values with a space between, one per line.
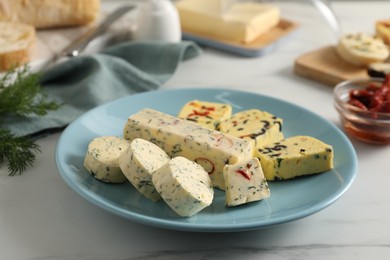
pixel 21 94
pixel 19 152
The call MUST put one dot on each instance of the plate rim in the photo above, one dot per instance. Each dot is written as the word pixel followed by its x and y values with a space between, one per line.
pixel 183 226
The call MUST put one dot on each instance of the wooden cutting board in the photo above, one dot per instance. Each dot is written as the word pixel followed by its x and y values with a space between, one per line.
pixel 324 65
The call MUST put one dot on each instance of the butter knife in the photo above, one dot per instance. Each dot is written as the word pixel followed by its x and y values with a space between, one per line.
pixel 76 47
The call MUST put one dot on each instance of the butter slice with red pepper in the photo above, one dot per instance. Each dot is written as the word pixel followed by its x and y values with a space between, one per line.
pixel 179 137
pixel 295 156
pixel 207 114
pixel 260 127
pixel 245 182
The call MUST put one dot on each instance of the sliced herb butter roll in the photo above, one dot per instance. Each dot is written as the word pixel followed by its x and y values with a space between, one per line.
pixel 361 49
pixel 102 158
pixel 139 162
pixel 184 185
pixel 295 156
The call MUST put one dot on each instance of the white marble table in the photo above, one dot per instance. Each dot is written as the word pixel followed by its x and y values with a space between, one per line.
pixel 42 218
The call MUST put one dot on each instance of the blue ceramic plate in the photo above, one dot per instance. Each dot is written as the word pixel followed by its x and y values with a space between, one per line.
pixel 290 200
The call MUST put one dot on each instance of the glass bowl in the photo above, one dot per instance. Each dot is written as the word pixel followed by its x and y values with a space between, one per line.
pixel 367 126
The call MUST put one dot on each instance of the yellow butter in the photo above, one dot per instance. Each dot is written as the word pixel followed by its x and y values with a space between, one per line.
pixel 207 114
pixel 260 127
pixel 241 22
pixel 295 156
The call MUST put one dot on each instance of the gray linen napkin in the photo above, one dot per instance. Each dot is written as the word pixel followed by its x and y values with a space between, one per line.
pixel 85 82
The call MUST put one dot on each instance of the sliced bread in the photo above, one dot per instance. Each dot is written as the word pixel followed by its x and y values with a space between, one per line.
pixel 50 13
pixel 16 42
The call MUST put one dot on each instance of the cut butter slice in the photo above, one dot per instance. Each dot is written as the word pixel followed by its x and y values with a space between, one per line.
pixel 245 182
pixel 295 156
pixel 138 163
pixel 207 114
pixel 260 127
pixel 184 185
pixel 240 22
pixel 102 158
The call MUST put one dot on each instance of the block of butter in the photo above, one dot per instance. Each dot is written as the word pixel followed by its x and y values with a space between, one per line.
pixel 295 156
pixel 239 21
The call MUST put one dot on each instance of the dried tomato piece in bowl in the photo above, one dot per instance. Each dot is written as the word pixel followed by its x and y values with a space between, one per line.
pixel 373 98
